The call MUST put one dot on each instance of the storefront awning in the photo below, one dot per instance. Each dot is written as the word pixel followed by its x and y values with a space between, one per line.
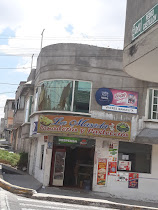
pixel 147 136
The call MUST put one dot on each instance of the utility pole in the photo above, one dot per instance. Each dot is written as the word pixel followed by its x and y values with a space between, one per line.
pixel 42 37
pixel 32 61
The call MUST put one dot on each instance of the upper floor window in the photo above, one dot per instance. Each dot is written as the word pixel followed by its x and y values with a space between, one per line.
pixel 19 103
pixel 28 109
pixel 35 100
pixel 153 104
pixel 64 95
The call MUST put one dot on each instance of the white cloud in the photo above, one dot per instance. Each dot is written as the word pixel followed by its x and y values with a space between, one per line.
pixel 99 20
pixel 25 65
pixel 3 99
pixel 95 22
pixel 11 14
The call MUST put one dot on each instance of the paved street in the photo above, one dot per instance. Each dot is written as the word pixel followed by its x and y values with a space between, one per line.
pixel 9 201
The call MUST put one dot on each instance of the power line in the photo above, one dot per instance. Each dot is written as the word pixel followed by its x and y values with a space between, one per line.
pixel 16 68
pixel 6 92
pixel 5 83
pixel 63 56
pixel 66 37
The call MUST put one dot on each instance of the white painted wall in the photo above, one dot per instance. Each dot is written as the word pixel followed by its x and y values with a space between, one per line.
pixel 42 175
pixel 147 186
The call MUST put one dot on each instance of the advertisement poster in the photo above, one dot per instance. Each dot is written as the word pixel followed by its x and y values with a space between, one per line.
pixel 113 151
pixel 133 180
pixel 117 100
pixel 122 177
pixel 112 168
pixel 124 165
pixel 83 126
pixel 102 168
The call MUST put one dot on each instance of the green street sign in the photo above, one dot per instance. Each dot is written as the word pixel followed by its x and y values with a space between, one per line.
pixel 145 22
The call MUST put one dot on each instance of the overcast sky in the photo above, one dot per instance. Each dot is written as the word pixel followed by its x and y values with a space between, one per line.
pixel 94 22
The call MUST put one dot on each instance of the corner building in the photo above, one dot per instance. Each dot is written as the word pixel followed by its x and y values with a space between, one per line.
pixel 140 61
pixel 141 43
pixel 85 123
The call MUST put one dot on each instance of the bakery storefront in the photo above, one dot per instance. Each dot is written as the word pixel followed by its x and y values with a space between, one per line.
pixel 72 162
pixel 74 147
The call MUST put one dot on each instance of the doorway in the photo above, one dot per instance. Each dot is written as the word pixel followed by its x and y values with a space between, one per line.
pixel 76 170
pixel 78 167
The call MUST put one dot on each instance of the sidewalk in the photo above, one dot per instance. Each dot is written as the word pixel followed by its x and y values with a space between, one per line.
pixel 76 196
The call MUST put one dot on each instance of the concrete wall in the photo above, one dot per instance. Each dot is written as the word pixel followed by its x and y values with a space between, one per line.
pixel 84 62
pixel 140 55
pixel 18 118
pixel 32 156
pixel 135 10
pixel 25 130
pixel 42 175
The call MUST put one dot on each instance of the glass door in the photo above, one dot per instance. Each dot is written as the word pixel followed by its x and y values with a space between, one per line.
pixel 59 167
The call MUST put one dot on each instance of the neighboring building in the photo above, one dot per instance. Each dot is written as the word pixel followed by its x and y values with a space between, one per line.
pixel 141 43
pixel 2 129
pixel 140 61
pixel 8 119
pixel 21 123
pixel 90 115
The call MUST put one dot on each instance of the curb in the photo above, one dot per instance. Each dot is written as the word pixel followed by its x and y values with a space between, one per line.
pixel 16 189
pixel 89 201
pixel 13 188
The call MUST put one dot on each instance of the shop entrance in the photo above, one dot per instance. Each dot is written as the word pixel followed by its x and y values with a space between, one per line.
pixel 72 164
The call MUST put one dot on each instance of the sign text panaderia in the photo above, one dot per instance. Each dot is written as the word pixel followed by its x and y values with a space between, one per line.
pixel 83 126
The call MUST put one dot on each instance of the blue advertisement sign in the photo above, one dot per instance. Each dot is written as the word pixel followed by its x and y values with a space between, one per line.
pixel 117 100
pixel 104 96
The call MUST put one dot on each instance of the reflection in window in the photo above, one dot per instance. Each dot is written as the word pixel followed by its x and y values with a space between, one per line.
pixel 81 96
pixel 55 95
pixel 58 94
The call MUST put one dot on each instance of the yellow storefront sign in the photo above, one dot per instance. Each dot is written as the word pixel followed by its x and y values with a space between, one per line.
pixel 83 126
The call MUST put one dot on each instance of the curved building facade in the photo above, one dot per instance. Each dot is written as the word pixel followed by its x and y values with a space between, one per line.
pixel 141 44
pixel 86 117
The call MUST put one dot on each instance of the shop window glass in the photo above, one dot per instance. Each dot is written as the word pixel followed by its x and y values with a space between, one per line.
pixel 139 155
pixel 153 104
pixel 60 94
pixel 55 95
pixel 81 96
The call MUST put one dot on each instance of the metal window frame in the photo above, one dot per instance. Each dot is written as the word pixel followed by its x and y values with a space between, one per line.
pixel 73 92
